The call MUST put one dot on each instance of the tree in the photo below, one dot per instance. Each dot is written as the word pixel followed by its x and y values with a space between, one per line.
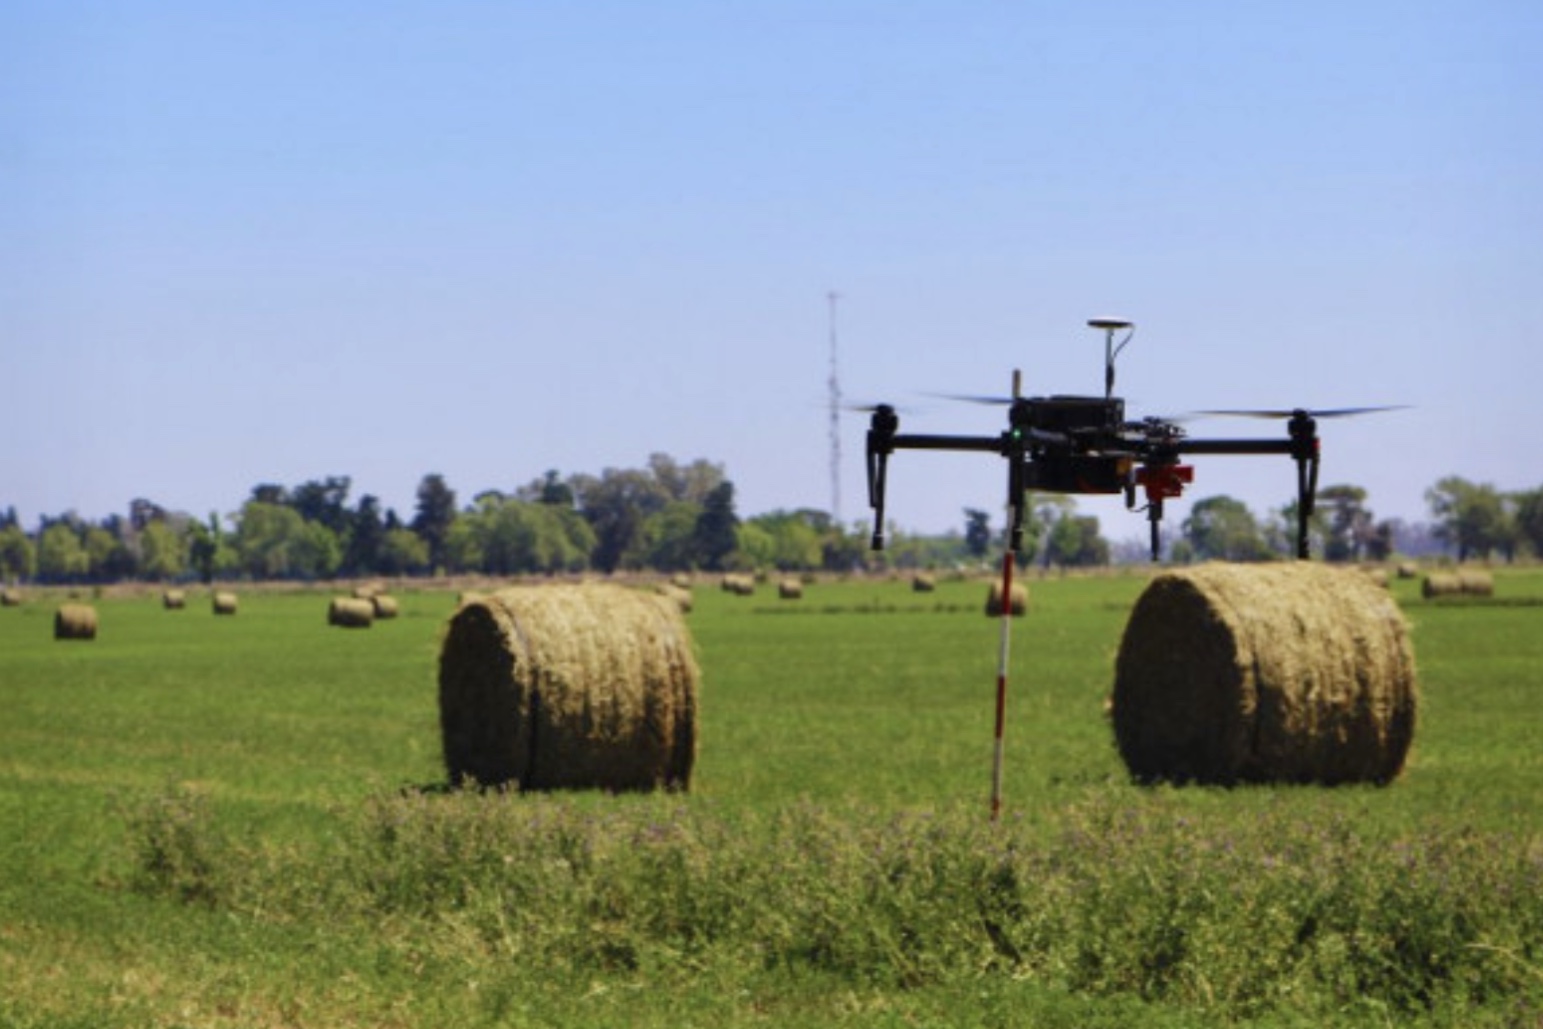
pixel 713 536
pixel 1075 541
pixel 163 553
pixel 1350 530
pixel 18 557
pixel 403 552
pixel 206 548
pixel 323 501
pixel 1470 517
pixel 272 541
pixel 1222 528
pixel 436 512
pixel 61 558
pixel 366 533
pixel 793 543
pixel 1529 519
pixel 977 532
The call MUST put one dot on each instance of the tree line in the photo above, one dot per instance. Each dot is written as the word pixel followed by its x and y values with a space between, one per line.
pixel 669 516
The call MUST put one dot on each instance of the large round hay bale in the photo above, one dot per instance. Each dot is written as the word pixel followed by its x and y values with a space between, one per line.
pixel 75 622
pixel 224 603
pixel 923 582
pixel 351 613
pixel 1019 600
pixel 10 597
pixel 1294 672
pixel 383 606
pixel 562 686
pixel 790 589
pixel 174 600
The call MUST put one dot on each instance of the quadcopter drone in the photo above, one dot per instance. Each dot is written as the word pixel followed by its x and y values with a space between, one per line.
pixel 1079 444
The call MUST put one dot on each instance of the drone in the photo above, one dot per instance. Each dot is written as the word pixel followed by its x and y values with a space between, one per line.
pixel 1087 445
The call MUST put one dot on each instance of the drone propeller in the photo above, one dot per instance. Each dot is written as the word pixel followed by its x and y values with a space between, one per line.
pixel 973 398
pixel 1333 412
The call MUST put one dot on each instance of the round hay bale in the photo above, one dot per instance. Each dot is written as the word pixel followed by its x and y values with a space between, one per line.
pixel 1294 672
pixel 10 597
pixel 174 600
pixel 351 613
pixel 739 585
pixel 548 687
pixel 1375 575
pixel 681 580
pixel 368 590
pixel 1440 584
pixel 790 589
pixel 1019 599
pixel 923 582
pixel 75 622
pixel 224 603
pixel 384 606
pixel 1475 583
pixel 1408 570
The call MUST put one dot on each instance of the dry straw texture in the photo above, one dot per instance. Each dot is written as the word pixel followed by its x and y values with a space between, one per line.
pixel 224 603
pixel 75 622
pixel 384 606
pixel 547 687
pixel 1294 672
pixel 1020 599
pixel 174 600
pixel 351 613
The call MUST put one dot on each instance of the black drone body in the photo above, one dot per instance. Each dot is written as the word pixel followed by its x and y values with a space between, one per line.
pixel 1078 444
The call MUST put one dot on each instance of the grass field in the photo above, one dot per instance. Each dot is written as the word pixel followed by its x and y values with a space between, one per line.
pixel 238 822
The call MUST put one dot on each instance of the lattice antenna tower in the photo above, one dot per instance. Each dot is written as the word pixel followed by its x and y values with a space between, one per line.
pixel 833 299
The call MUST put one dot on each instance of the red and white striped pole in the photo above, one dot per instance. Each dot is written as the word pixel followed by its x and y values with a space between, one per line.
pixel 1009 558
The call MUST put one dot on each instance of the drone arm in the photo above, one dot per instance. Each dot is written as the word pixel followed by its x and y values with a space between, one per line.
pixel 989 444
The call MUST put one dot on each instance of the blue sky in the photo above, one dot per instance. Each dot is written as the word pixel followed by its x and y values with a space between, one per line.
pixel 271 242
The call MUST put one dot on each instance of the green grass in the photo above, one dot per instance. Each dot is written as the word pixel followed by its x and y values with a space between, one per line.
pixel 232 822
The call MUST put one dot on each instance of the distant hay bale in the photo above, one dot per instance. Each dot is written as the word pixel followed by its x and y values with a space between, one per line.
pixel 75 622
pixel 384 606
pixel 351 613
pixel 224 603
pixel 1019 599
pixel 368 590
pixel 681 580
pixel 549 687
pixel 174 600
pixel 1291 672
pixel 1408 570
pixel 739 585
pixel 1469 582
pixel 790 589
pixel 923 582
pixel 1475 583
pixel 681 596
pixel 10 597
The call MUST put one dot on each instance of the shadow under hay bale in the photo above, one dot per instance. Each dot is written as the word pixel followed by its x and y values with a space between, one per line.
pixel 550 687
pixel 351 613
pixel 224 603
pixel 1264 673
pixel 75 622
pixel 1020 600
